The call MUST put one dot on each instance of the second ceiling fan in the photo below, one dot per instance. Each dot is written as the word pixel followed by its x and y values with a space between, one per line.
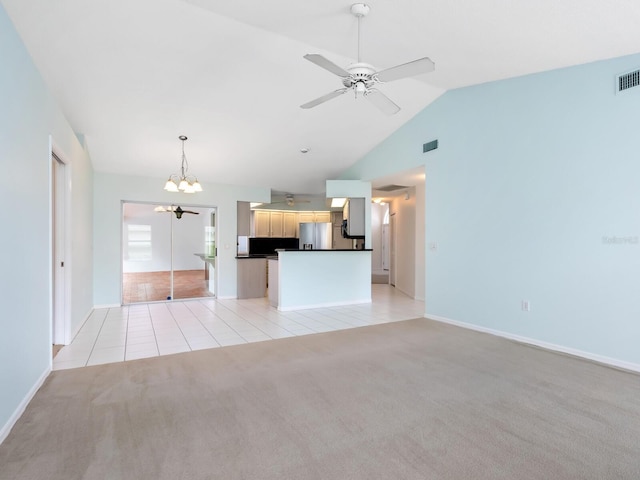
pixel 362 78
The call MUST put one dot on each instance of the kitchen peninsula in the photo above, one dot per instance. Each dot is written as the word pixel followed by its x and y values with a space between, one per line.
pixel 300 279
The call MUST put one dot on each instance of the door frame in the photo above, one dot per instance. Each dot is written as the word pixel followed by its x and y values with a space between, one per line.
pixel 60 245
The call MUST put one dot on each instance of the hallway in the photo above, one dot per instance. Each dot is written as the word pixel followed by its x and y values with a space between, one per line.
pixel 150 330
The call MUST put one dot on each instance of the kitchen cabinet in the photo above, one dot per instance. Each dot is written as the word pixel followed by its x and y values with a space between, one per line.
pixel 284 223
pixel 262 223
pixel 353 213
pixel 306 217
pixel 277 224
pixel 322 217
pixel 290 225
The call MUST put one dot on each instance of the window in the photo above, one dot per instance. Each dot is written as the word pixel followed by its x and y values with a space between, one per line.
pixel 139 243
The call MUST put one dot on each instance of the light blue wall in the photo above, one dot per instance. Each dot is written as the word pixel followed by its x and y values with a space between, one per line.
pixel 29 117
pixel 530 174
pixel 110 190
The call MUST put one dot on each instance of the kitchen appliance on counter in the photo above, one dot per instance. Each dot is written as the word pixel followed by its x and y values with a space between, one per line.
pixel 316 236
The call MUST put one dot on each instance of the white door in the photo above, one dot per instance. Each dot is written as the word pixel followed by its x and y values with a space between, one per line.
pixel 392 249
pixel 385 247
pixel 58 237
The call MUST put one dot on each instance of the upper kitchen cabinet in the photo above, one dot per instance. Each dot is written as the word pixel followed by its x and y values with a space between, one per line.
pixel 284 223
pixel 290 225
pixel 322 217
pixel 306 217
pixel 353 213
pixel 262 223
pixel 277 224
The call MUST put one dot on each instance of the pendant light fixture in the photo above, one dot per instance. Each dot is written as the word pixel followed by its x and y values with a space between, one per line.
pixel 184 182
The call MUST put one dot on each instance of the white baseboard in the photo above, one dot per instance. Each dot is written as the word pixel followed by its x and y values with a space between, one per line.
pixel 612 362
pixel 107 305
pixel 324 305
pixel 6 428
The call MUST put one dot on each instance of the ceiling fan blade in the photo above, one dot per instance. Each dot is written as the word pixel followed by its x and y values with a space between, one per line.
pixel 417 67
pixel 324 98
pixel 326 64
pixel 189 211
pixel 383 102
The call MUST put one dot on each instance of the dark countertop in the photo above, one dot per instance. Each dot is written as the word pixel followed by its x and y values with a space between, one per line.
pixel 325 250
pixel 254 257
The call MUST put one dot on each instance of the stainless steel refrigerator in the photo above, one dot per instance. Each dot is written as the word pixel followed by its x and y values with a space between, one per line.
pixel 316 236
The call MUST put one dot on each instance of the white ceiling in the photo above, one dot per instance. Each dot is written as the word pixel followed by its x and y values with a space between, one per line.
pixel 133 75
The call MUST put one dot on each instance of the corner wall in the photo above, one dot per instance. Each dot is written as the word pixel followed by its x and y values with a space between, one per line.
pixel 29 121
pixel 532 195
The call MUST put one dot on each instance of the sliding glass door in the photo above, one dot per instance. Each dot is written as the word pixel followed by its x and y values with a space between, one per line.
pixel 168 252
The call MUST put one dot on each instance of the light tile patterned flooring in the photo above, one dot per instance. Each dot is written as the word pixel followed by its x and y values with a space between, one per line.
pixel 150 330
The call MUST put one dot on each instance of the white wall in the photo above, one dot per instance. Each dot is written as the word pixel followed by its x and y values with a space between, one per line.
pixel 30 122
pixel 532 195
pixel 110 190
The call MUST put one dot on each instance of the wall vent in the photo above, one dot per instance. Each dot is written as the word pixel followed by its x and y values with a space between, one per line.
pixel 432 145
pixel 628 80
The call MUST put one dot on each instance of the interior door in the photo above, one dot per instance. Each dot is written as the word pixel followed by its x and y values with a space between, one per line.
pixel 58 247
pixel 392 249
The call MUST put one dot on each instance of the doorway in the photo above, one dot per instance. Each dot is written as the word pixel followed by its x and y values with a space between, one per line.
pixel 59 278
pixel 168 252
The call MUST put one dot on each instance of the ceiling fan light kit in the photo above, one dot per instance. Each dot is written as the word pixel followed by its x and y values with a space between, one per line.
pixel 363 78
pixel 184 182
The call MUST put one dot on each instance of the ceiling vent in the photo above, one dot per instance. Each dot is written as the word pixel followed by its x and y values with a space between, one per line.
pixel 390 188
pixel 627 80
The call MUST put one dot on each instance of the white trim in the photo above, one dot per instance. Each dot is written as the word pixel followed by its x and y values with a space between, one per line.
pixel 612 362
pixel 324 305
pixel 6 428
pixel 107 305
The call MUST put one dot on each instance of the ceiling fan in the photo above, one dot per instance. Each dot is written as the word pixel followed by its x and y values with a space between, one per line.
pixel 177 210
pixel 290 200
pixel 363 78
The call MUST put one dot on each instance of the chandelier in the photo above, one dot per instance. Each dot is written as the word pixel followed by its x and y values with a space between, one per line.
pixel 184 182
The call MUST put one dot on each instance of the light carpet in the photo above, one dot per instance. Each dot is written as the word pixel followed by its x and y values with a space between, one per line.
pixel 406 400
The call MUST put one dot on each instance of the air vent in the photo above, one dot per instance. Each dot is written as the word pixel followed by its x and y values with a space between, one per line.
pixel 628 80
pixel 432 145
pixel 390 188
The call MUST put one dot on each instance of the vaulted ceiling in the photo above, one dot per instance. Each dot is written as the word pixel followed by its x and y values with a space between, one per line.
pixel 133 75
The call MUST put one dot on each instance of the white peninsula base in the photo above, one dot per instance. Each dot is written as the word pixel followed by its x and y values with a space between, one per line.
pixel 301 279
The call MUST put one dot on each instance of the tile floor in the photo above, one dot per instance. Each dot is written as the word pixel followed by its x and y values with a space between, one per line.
pixel 150 330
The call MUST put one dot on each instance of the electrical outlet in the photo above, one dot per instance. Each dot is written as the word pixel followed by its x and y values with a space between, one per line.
pixel 526 306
